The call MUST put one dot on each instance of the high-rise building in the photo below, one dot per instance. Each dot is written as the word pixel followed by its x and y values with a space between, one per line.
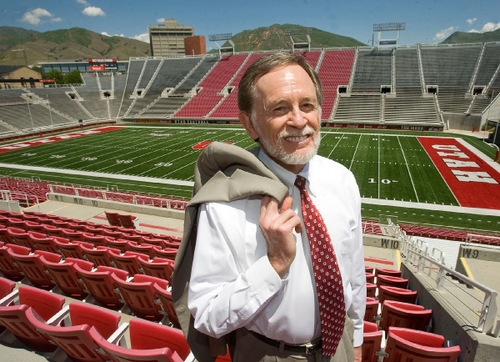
pixel 168 38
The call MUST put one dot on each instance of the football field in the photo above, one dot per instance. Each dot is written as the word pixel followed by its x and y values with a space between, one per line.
pixel 387 166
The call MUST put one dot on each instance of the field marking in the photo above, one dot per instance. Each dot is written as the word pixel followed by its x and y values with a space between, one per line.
pixel 99 174
pixel 334 147
pixel 408 168
pixel 355 151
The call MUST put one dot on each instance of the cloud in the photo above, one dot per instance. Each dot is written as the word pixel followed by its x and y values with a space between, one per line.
pixel 443 34
pixel 35 16
pixel 93 11
pixel 83 2
pixel 160 20
pixel 56 20
pixel 144 37
pixel 471 21
pixel 486 28
pixel 106 34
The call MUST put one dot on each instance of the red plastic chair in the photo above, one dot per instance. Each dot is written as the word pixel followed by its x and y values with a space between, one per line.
pixel 159 268
pixel 140 295
pixel 168 253
pixel 397 294
pixel 66 277
pixel 42 242
pixel 113 218
pixel 71 249
pixel 144 248
pixel 371 289
pixel 391 272
pixel 404 315
pixel 7 266
pixel 149 342
pixel 101 284
pixel 120 244
pixel 15 319
pixel 418 346
pixel 19 237
pixel 88 322
pixel 6 287
pixel 371 309
pixel 392 281
pixel 369 269
pixel 128 221
pixel 32 267
pixel 96 240
pixel 128 261
pixel 167 303
pixel 100 255
pixel 372 341
pixel 370 278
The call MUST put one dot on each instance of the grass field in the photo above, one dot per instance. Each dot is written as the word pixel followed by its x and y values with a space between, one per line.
pixel 387 165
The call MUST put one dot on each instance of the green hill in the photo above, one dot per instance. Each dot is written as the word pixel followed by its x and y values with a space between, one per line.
pixel 74 43
pixel 462 37
pixel 273 38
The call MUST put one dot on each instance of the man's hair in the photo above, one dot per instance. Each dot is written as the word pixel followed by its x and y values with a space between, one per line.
pixel 262 66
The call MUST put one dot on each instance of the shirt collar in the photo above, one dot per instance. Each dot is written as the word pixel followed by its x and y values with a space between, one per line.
pixel 287 177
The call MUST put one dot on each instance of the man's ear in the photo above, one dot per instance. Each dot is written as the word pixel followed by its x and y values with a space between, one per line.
pixel 245 120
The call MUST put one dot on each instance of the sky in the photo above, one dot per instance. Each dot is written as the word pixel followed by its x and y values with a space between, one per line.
pixel 427 21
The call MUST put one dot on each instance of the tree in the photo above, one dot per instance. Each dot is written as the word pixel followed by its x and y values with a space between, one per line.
pixel 56 75
pixel 73 77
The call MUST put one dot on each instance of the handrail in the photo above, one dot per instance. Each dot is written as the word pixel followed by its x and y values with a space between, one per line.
pixel 489 308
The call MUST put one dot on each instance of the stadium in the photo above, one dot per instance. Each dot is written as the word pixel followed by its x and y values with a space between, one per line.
pixel 97 176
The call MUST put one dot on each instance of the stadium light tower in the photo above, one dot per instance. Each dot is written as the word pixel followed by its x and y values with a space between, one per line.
pixel 222 37
pixel 379 28
pixel 299 32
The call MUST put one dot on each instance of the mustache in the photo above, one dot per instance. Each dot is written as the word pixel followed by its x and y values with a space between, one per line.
pixel 306 131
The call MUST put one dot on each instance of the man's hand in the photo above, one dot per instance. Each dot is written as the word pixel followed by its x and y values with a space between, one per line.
pixel 277 227
pixel 358 354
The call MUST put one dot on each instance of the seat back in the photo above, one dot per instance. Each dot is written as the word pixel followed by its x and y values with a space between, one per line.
pixel 113 218
pixel 128 261
pixel 128 221
pixel 148 335
pixel 7 266
pixel 167 303
pixel 371 289
pixel 101 285
pixel 167 253
pixel 73 249
pixel 391 272
pixel 397 294
pixel 66 278
pixel 418 346
pixel 6 287
pixel 159 268
pixel 372 341
pixel 32 267
pixel 99 255
pixel 140 295
pixel 404 315
pixel 391 281
pixel 371 309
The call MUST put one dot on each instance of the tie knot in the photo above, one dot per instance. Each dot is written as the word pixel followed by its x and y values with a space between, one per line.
pixel 300 182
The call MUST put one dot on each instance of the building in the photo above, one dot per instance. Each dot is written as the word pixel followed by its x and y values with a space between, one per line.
pixel 85 65
pixel 168 39
pixel 14 76
pixel 195 45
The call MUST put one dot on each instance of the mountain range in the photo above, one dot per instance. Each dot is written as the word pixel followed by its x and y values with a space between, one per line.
pixel 20 46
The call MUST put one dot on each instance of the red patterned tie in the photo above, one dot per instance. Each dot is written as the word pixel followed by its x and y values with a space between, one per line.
pixel 326 274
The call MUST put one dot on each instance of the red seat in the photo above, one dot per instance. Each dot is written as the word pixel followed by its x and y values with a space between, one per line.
pixel 113 218
pixel 128 261
pixel 99 255
pixel 404 315
pixel 168 253
pixel 15 318
pixel 120 244
pixel 371 309
pixel 7 266
pixel 128 221
pixel 167 302
pixel 96 240
pixel 149 342
pixel 66 277
pixel 372 341
pixel 391 281
pixel 418 346
pixel 159 268
pixel 19 237
pixel 371 290
pixel 140 295
pixel 32 267
pixel 398 294
pixel 369 269
pixel 391 272
pixel 6 287
pixel 72 234
pixel 101 285
pixel 144 248
pixel 370 278
pixel 71 249
pixel 77 340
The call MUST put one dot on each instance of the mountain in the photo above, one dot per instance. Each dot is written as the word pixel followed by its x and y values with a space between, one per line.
pixel 74 43
pixel 461 37
pixel 274 38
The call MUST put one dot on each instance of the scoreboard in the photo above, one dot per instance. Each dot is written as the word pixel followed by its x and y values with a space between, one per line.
pixel 103 64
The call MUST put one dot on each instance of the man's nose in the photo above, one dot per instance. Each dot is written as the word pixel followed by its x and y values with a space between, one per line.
pixel 297 118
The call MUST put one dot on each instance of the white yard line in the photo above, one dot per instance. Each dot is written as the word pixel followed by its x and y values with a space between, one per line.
pixel 408 169
pixel 99 174
pixel 355 151
pixel 334 147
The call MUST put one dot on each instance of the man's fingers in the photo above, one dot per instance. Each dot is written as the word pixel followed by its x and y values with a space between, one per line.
pixel 287 203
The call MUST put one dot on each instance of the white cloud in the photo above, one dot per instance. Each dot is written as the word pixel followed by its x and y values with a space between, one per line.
pixel 144 37
pixel 443 34
pixel 486 28
pixel 56 20
pixel 83 2
pixel 471 21
pixel 35 16
pixel 106 34
pixel 160 20
pixel 93 11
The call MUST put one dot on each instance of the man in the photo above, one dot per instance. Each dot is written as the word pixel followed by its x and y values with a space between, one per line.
pixel 252 271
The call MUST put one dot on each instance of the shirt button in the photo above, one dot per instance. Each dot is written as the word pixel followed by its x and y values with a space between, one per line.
pixel 271 288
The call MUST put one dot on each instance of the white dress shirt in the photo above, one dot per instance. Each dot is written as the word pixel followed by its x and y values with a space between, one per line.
pixel 233 284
